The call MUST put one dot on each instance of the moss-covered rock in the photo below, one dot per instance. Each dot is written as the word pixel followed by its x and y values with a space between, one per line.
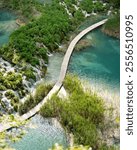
pixel 16 58
pixel 83 43
pixel 2 87
pixel 29 73
pixel 9 94
pixel 14 100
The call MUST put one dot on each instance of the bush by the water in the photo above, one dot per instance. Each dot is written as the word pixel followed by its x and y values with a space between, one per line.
pixel 82 113
pixel 31 43
pixel 24 7
pixel 112 26
pixel 81 147
pixel 32 100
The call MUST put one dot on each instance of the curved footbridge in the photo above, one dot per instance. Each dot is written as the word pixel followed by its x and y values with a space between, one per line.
pixel 62 75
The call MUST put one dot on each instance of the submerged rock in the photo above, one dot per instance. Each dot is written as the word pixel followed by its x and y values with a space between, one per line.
pixel 83 43
pixel 20 22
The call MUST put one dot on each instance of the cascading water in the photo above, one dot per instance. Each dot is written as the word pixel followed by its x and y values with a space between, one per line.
pixel 46 133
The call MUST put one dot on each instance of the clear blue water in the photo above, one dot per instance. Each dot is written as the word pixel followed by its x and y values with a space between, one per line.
pixel 42 136
pixel 7 25
pixel 99 63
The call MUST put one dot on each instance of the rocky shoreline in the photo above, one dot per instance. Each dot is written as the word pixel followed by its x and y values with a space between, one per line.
pixel 15 84
pixel 20 22
pixel 82 44
pixel 115 34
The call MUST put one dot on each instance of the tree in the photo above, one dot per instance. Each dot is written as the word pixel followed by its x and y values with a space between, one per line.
pixel 115 3
pixel 87 5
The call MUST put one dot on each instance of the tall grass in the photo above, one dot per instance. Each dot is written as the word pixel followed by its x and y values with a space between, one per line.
pixel 32 100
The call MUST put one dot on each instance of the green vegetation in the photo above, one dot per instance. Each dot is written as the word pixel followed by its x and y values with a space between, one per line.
pixel 82 113
pixel 81 147
pixel 14 100
pixel 24 7
pixel 31 42
pixel 10 80
pixel 5 137
pixel 3 145
pixel 78 147
pixel 112 26
pixel 29 73
pixel 78 17
pixel 41 91
pixel 89 6
pixel 115 3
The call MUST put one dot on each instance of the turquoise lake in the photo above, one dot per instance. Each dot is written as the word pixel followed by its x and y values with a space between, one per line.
pixel 99 64
pixel 7 25
pixel 41 136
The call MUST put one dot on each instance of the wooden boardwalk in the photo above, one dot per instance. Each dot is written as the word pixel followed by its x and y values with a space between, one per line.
pixel 62 75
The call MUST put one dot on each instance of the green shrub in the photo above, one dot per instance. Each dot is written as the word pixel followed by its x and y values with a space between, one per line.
pixel 41 91
pixel 28 72
pixel 73 86
pixel 76 147
pixel 2 87
pixel 14 100
pixel 87 5
pixel 27 105
pixel 9 94
pixel 112 26
pixel 12 80
pixel 82 113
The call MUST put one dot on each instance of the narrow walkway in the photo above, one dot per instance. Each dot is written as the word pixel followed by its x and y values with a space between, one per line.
pixel 62 75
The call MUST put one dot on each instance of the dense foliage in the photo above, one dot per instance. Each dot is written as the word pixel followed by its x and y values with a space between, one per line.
pixel 32 100
pixel 78 147
pixel 10 81
pixel 97 6
pixel 81 147
pixel 12 136
pixel 112 26
pixel 82 113
pixel 115 3
pixel 24 7
pixel 31 42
